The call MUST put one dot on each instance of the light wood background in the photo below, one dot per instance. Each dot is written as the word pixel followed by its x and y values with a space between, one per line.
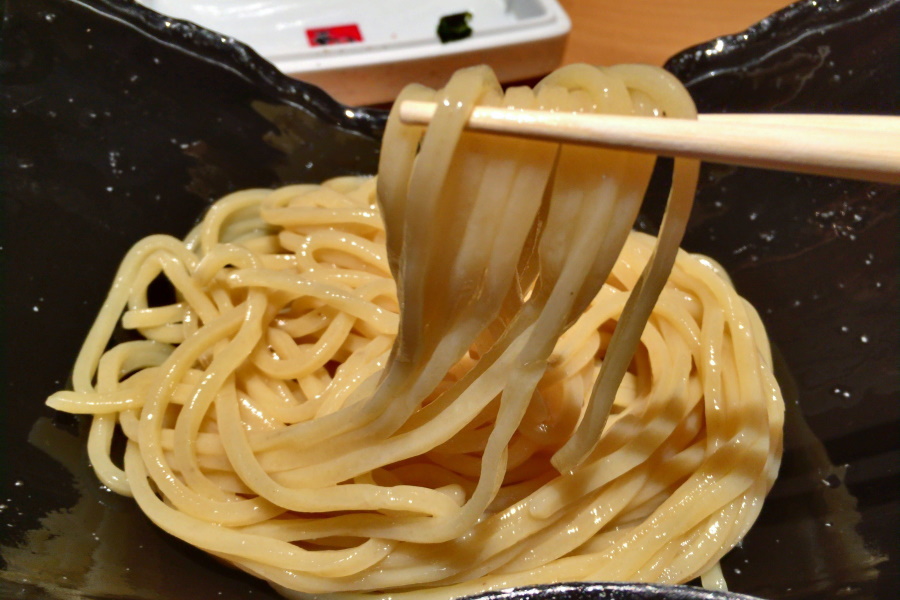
pixel 604 32
pixel 608 32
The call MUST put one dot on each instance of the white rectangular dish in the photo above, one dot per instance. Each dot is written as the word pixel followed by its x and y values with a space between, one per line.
pixel 364 51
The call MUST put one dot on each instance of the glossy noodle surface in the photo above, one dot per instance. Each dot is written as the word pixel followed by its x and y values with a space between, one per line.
pixel 466 373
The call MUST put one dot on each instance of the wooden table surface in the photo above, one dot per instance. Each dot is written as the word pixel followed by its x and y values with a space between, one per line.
pixel 606 32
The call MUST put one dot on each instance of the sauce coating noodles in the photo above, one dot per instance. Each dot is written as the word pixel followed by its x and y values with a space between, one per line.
pixel 465 374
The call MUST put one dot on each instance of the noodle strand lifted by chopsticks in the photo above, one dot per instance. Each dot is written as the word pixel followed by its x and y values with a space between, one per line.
pixel 466 374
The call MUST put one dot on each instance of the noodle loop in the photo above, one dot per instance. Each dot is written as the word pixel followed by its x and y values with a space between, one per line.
pixel 467 373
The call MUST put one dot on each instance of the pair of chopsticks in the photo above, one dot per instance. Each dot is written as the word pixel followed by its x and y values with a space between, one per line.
pixel 851 146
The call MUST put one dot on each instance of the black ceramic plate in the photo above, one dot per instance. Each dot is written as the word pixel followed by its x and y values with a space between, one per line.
pixel 118 123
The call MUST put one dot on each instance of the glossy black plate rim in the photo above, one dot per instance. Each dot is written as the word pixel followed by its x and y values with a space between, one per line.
pixel 610 590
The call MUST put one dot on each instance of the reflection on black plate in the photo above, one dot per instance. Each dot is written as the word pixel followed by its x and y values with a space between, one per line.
pixel 118 123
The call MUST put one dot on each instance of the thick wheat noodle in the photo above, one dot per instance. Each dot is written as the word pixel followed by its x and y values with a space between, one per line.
pixel 382 386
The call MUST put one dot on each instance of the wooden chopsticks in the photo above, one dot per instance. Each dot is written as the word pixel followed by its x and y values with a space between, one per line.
pixel 852 146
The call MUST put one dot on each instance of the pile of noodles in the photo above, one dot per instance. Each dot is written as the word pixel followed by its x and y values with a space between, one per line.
pixel 466 374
